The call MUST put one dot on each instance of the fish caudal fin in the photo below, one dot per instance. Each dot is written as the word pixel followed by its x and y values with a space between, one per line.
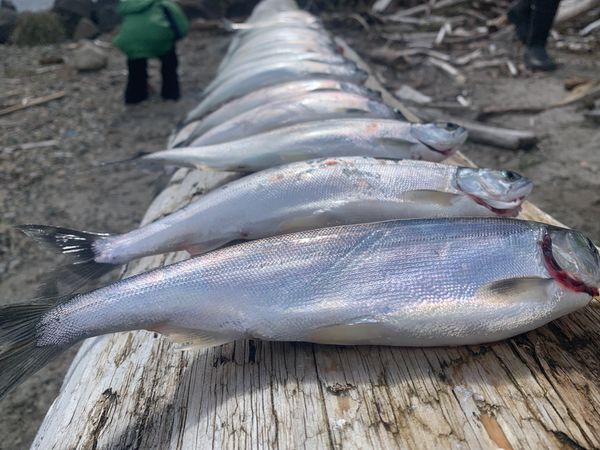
pixel 78 246
pixel 138 157
pixel 21 353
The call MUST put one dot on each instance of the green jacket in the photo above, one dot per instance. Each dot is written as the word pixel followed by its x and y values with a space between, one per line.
pixel 146 31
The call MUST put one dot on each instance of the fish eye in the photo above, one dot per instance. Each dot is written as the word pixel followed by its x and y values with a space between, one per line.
pixel 449 126
pixel 510 175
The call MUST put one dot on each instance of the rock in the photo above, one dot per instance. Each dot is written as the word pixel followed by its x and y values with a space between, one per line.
pixel 8 22
pixel 105 15
pixel 71 11
pixel 89 57
pixel 207 9
pixel 8 5
pixel 86 29
pixel 78 8
pixel 38 28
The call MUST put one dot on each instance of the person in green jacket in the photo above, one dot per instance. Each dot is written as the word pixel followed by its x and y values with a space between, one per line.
pixel 150 29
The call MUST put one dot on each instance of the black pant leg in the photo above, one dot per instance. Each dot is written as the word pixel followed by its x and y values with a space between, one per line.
pixel 137 81
pixel 519 14
pixel 542 17
pixel 170 81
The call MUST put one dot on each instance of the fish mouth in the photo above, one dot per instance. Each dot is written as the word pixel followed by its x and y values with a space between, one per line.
pixel 559 274
pixel 504 208
pixel 446 151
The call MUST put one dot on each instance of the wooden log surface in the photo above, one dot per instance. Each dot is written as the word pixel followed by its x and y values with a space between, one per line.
pixel 137 390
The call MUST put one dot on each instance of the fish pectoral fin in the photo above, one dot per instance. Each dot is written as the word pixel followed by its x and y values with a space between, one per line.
pixel 194 339
pixel 428 197
pixel 308 223
pixel 515 290
pixel 348 334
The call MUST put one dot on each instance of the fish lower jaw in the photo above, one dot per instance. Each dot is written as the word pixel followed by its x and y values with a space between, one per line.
pixel 500 208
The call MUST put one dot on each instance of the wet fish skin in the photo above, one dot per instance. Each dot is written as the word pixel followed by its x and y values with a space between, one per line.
pixel 269 60
pixel 270 94
pixel 313 106
pixel 245 83
pixel 273 51
pixel 300 196
pixel 292 40
pixel 373 273
pixel 386 283
pixel 380 138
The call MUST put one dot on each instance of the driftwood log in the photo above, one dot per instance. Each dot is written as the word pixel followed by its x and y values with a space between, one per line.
pixel 138 391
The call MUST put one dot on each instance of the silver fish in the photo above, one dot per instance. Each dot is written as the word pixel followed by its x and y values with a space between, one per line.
pixel 423 282
pixel 264 76
pixel 270 94
pixel 292 58
pixel 296 197
pixel 247 51
pixel 273 50
pixel 380 138
pixel 313 106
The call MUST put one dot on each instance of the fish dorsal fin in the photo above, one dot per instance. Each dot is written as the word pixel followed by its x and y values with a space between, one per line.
pixel 518 290
pixel 428 197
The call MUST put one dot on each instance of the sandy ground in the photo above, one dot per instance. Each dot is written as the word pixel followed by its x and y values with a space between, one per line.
pixel 55 185
pixel 59 186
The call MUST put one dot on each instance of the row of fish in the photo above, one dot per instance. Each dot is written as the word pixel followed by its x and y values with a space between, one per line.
pixel 355 233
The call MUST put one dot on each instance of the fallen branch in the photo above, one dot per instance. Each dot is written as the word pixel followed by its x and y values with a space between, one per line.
pixel 380 6
pixel 30 146
pixel 389 56
pixel 486 134
pixel 570 10
pixel 27 103
pixel 590 28
pixel 425 8
pixel 458 77
pixel 466 59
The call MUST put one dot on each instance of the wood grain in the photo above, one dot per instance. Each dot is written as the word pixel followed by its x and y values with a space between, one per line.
pixel 137 390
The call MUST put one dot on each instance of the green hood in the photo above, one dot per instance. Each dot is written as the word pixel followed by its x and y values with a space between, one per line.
pixel 146 31
pixel 126 7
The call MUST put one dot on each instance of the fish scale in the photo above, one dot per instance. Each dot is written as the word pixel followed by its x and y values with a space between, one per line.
pixel 299 196
pixel 381 138
pixel 412 289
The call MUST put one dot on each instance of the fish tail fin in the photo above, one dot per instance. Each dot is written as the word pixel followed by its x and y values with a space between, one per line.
pixel 78 246
pixel 135 158
pixel 22 353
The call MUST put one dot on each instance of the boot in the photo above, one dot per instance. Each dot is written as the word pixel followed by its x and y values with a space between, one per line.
pixel 519 14
pixel 542 17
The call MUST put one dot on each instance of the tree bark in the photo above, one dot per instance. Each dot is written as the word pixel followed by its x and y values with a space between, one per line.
pixel 137 390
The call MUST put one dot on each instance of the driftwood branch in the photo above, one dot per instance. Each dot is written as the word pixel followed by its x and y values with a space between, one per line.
pixel 28 103
pixel 570 10
pixel 136 390
pixel 486 134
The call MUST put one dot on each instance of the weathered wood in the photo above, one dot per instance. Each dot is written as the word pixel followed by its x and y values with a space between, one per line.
pixel 571 9
pixel 28 103
pixel 137 390
pixel 486 134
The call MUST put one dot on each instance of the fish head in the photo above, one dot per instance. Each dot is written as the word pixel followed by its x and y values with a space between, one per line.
pixel 441 137
pixel 501 191
pixel 572 259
